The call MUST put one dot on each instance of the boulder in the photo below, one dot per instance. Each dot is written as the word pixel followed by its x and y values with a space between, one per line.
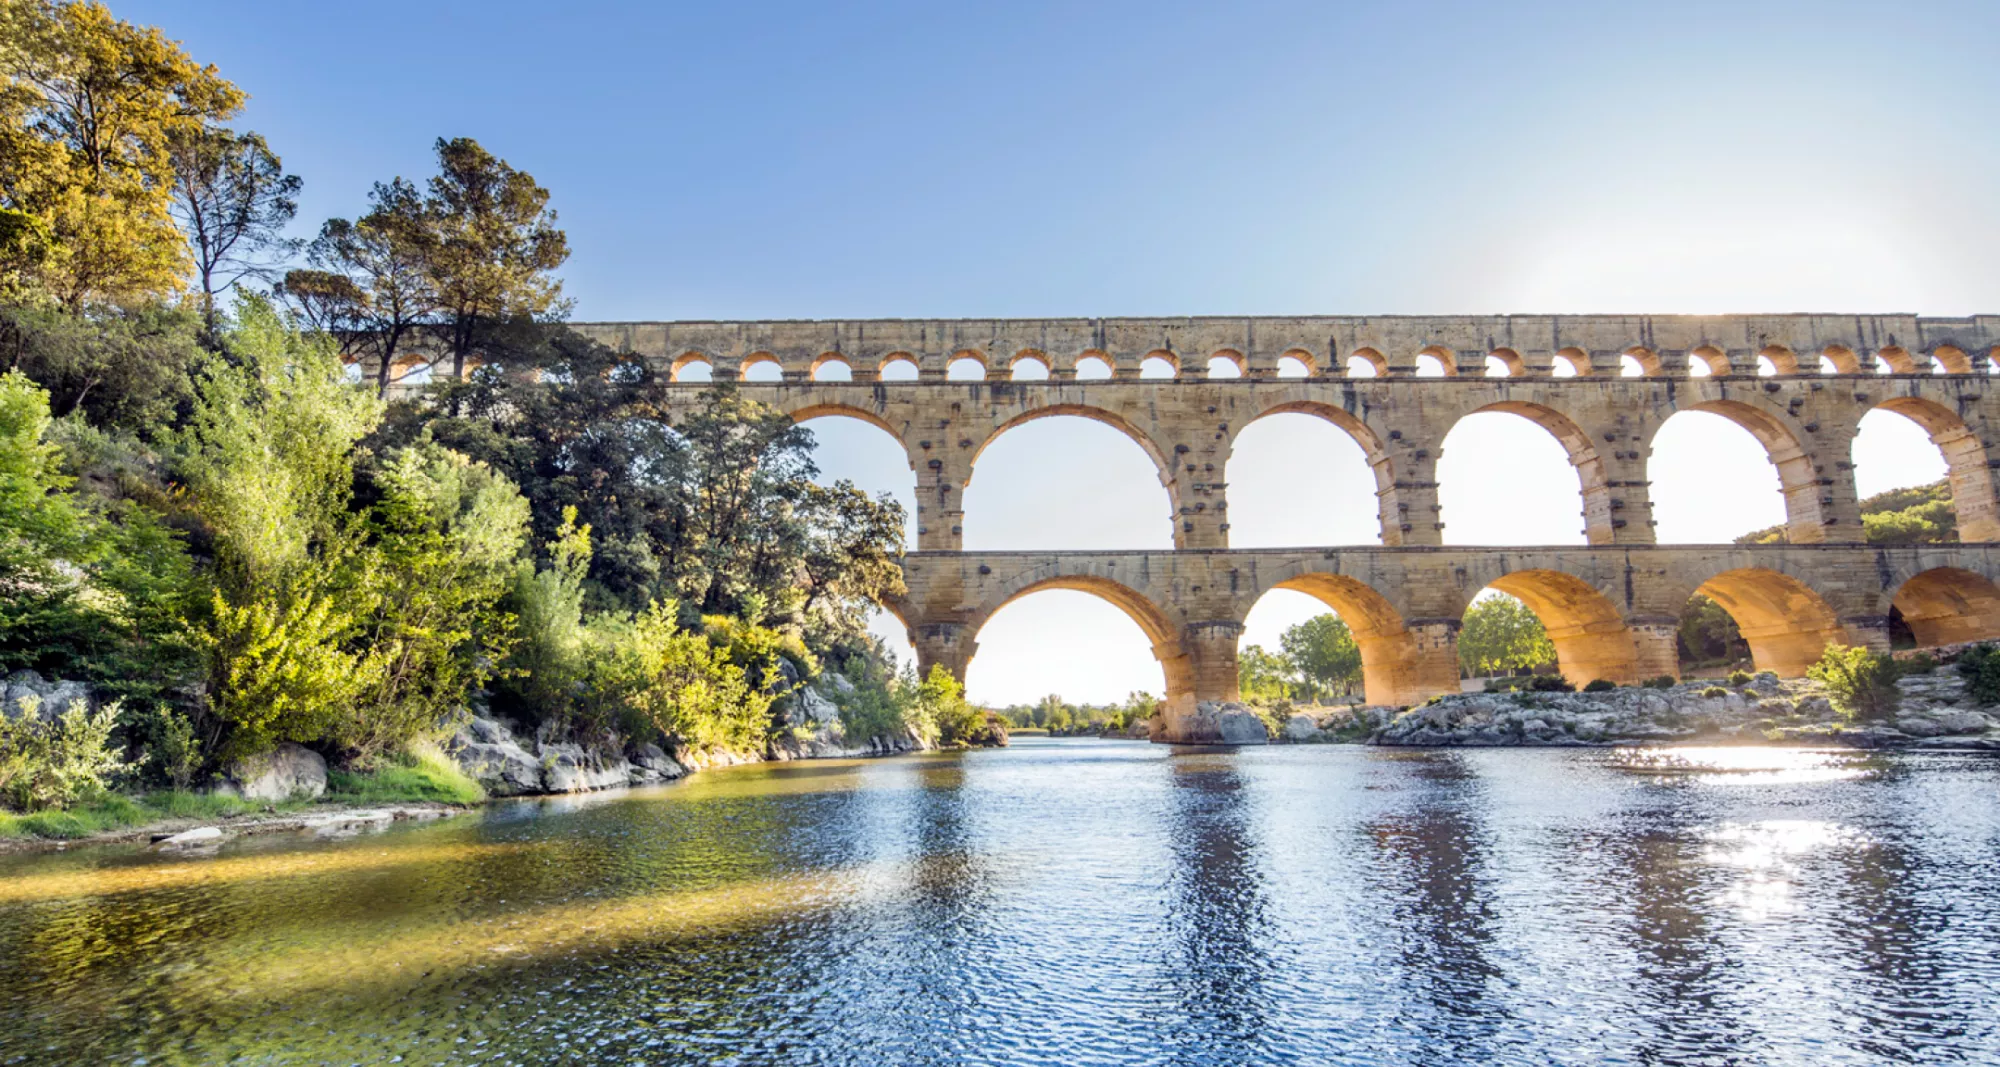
pixel 1217 723
pixel 1300 728
pixel 1938 722
pixel 569 768
pixel 283 773
pixel 488 754
pixel 23 689
pixel 199 837
pixel 652 764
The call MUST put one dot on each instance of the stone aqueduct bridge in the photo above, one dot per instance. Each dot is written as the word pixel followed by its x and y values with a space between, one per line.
pixel 1611 607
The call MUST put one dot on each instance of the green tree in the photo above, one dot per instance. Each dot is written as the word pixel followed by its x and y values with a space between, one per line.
pixel 89 108
pixel 1500 634
pixel 649 671
pixel 444 540
pixel 267 461
pixel 1708 633
pixel 124 368
pixel 1265 677
pixel 369 285
pixel 1323 652
pixel 233 201
pixel 493 247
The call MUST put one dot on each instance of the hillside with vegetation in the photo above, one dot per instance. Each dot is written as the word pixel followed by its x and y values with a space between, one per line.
pixel 215 541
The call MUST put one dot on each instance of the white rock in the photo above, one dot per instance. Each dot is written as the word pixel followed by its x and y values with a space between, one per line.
pixel 283 773
pixel 200 835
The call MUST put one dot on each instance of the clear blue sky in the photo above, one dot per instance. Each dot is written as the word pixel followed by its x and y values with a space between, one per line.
pixel 792 160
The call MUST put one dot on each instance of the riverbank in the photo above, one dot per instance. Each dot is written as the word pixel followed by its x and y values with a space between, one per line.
pixel 1932 710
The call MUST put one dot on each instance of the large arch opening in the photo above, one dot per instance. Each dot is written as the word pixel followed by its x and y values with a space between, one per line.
pixel 853 446
pixel 1514 473
pixel 1294 644
pixel 1299 478
pixel 1588 631
pixel 1085 639
pixel 1297 516
pixel 1907 468
pixel 1947 606
pixel 1786 624
pixel 1722 470
pixel 1392 668
pixel 1068 477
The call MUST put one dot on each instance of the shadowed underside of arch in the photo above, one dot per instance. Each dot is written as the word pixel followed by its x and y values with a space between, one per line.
pixel 1785 622
pixel 1965 458
pixel 1590 635
pixel 1392 669
pixel 1947 605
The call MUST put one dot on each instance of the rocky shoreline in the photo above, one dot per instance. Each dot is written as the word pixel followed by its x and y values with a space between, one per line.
pixel 1932 712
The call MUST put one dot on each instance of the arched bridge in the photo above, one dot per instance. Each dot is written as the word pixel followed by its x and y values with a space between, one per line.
pixel 1603 386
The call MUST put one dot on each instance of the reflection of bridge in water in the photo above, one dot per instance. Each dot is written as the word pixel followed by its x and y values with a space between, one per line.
pixel 1611 607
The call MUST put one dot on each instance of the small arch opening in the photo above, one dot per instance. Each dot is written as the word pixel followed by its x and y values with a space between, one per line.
pixel 762 367
pixel 1295 364
pixel 899 368
pixel 1093 368
pixel 1224 366
pixel 964 368
pixel 1029 367
pixel 1157 366
pixel 1431 366
pixel 832 369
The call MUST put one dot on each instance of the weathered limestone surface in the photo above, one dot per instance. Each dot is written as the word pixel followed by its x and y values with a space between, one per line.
pixel 1611 608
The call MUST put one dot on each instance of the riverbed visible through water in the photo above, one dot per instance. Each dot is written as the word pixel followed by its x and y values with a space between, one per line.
pixel 1066 902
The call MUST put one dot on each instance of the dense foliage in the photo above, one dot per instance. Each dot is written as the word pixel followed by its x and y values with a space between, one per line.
pixel 1919 515
pixel 1500 635
pixel 1861 683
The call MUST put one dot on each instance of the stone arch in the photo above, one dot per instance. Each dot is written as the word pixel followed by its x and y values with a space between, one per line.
pixel 1153 621
pixel 1576 359
pixel 1843 359
pixel 832 409
pixel 1029 356
pixel 1965 458
pixel 1103 415
pixel 895 359
pixel 1510 362
pixel 1447 360
pixel 1304 358
pixel 1171 359
pixel 755 360
pixel 1648 360
pixel 1386 494
pixel 688 359
pixel 1594 486
pixel 1806 518
pixel 1785 622
pixel 1589 632
pixel 1784 361
pixel 953 361
pixel 1949 605
pixel 1394 669
pixel 1950 359
pixel 1101 359
pixel 1711 357
pixel 1369 356
pixel 825 360
pixel 1231 357
pixel 1898 360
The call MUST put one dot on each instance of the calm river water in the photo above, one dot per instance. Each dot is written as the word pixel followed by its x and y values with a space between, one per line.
pixel 1067 902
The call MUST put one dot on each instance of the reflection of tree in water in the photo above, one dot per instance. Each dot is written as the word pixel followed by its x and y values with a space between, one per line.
pixel 1217 897
pixel 1434 852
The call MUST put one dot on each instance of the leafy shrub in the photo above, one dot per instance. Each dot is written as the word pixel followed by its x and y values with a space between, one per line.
pixel 1551 683
pixel 174 753
pixel 647 671
pixel 1600 685
pixel 54 763
pixel 421 772
pixel 1981 667
pixel 1739 678
pixel 1714 691
pixel 1862 684
pixel 1664 681
pixel 941 700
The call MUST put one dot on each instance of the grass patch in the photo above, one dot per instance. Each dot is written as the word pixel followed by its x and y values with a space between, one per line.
pixel 422 774
pixel 120 811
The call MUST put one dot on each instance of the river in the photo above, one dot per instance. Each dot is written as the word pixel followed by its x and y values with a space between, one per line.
pixel 1066 902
